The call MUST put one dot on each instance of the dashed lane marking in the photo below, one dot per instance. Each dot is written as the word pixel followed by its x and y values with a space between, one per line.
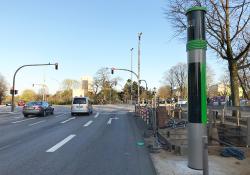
pixel 37 123
pixel 19 121
pixel 61 115
pixel 60 144
pixel 65 121
pixel 88 123
pixel 96 115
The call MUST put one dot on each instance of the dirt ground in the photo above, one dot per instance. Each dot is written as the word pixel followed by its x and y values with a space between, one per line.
pixel 167 163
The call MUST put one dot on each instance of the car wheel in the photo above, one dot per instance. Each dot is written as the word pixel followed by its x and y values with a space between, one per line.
pixel 72 114
pixel 44 113
pixel 25 115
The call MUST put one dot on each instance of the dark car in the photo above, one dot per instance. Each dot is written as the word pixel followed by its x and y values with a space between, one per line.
pixel 40 108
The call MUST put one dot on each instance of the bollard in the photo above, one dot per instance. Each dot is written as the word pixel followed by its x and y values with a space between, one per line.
pixel 248 131
pixel 238 118
pixel 205 155
pixel 223 116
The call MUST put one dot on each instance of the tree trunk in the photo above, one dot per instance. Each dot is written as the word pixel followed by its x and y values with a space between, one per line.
pixel 243 88
pixel 234 82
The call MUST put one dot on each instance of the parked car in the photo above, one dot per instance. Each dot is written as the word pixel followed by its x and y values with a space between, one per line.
pixel 39 108
pixel 81 105
pixel 182 104
pixel 21 103
pixel 8 104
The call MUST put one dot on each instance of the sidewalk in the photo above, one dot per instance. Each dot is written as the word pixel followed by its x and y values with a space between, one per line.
pixel 167 163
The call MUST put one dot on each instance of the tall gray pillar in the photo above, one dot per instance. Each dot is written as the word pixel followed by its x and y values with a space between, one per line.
pixel 197 100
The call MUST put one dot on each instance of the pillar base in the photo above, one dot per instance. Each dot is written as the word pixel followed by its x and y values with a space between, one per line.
pixel 195 147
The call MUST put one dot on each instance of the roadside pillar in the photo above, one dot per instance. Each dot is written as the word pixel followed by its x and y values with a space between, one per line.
pixel 197 100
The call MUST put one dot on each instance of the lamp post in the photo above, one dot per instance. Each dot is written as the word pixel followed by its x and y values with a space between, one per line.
pixel 14 80
pixel 139 64
pixel 131 97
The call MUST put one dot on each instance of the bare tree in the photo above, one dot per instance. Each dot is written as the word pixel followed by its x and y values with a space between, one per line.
pixel 69 84
pixel 228 31
pixel 104 83
pixel 170 80
pixel 180 75
pixel 3 88
pixel 225 82
pixel 209 77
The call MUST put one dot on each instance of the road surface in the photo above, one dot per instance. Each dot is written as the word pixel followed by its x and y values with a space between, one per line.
pixel 104 143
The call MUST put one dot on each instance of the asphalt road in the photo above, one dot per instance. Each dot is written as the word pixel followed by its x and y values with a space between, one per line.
pixel 104 143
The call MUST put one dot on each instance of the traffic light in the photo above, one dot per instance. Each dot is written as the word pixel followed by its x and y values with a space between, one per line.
pixel 56 66
pixel 112 70
pixel 15 92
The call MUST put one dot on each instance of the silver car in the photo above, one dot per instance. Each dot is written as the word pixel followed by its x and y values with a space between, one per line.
pixel 81 105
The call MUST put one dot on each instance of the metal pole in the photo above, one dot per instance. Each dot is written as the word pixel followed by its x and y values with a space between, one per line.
pixel 131 98
pixel 14 80
pixel 145 83
pixel 110 95
pixel 197 107
pixel 205 155
pixel 139 64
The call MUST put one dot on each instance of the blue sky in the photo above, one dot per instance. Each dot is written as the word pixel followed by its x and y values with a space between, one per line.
pixel 83 36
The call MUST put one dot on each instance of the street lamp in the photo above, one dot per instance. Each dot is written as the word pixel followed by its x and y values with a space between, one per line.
pixel 139 64
pixel 14 80
pixel 145 83
pixel 131 50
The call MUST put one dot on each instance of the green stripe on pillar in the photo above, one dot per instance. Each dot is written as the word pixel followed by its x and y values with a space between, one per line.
pixel 203 94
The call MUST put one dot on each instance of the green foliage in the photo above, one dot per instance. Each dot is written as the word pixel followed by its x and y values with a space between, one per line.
pixel 3 88
pixel 28 95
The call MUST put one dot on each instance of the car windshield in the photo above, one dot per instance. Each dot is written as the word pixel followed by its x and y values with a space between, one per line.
pixel 34 103
pixel 79 101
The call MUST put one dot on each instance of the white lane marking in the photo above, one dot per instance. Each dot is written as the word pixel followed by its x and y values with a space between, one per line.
pixel 72 118
pixel 19 121
pixel 61 115
pixel 88 123
pixel 60 144
pixel 110 120
pixel 17 117
pixel 37 123
pixel 4 147
pixel 97 114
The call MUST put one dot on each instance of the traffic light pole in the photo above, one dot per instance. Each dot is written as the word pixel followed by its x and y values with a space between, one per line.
pixel 14 80
pixel 197 107
pixel 145 83
pixel 139 81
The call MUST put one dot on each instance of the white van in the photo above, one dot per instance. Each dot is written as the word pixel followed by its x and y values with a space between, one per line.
pixel 81 105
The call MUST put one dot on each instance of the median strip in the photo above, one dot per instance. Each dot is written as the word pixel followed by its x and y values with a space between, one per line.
pixel 19 121
pixel 60 144
pixel 72 118
pixel 88 123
